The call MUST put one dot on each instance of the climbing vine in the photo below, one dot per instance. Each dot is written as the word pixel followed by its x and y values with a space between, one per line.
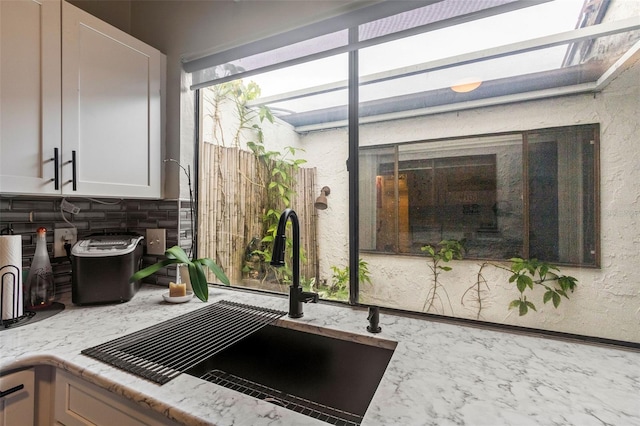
pixel 278 167
pixel 528 274
pixel 444 252
pixel 525 274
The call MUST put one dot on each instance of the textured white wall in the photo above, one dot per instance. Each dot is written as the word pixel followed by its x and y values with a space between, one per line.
pixel 607 301
pixel 220 127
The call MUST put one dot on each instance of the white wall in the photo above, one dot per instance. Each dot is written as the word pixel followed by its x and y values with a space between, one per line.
pixel 220 127
pixel 607 301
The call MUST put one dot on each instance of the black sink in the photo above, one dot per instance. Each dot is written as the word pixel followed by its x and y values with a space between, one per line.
pixel 295 368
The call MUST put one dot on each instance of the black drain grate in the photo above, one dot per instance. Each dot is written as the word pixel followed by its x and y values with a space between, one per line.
pixel 309 408
pixel 163 351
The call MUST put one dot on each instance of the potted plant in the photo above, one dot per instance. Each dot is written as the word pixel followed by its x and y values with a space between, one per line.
pixel 176 255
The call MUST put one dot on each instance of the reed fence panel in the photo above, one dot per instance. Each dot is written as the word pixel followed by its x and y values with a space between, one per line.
pixel 233 202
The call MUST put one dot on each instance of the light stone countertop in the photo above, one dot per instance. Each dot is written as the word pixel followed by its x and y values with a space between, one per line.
pixel 440 373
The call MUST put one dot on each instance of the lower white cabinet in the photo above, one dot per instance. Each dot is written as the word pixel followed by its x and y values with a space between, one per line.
pixel 78 402
pixel 17 398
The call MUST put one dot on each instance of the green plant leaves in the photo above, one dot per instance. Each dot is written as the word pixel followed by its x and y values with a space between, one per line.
pixel 447 250
pixel 567 283
pixel 524 273
pixel 522 282
pixel 197 276
pixel 522 305
pixel 265 113
pixel 554 296
pixel 176 252
pixel 430 251
pixel 150 270
pixel 198 282
pixel 363 272
pixel 217 271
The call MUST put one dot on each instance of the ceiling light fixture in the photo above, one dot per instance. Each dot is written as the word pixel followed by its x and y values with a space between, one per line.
pixel 466 86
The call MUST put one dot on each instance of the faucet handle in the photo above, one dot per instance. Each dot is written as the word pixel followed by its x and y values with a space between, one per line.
pixel 308 296
pixel 374 320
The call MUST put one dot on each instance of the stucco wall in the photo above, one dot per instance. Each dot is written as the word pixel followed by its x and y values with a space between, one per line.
pixel 220 126
pixel 607 302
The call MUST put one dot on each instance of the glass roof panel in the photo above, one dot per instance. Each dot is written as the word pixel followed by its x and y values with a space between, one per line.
pixel 493 31
pixel 419 71
pixel 438 11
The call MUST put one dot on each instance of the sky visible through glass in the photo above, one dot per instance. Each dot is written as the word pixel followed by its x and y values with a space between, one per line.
pixel 520 25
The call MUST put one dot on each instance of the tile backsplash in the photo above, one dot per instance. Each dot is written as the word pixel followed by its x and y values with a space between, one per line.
pixel 26 214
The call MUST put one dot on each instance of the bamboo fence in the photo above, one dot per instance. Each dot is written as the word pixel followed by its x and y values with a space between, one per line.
pixel 232 204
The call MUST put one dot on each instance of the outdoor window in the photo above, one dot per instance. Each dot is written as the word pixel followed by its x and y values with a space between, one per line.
pixel 254 165
pixel 480 190
pixel 378 106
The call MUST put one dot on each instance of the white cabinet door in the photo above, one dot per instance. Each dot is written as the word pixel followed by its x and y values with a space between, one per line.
pixel 80 403
pixel 110 110
pixel 17 406
pixel 30 121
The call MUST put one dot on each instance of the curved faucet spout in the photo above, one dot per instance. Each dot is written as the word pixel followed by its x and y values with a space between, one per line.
pixel 279 244
pixel 296 295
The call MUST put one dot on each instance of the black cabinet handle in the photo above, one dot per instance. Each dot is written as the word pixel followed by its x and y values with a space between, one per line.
pixel 74 170
pixel 10 391
pixel 56 169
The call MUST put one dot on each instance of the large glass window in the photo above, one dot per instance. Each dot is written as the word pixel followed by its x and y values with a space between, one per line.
pixel 480 191
pixel 254 164
pixel 366 111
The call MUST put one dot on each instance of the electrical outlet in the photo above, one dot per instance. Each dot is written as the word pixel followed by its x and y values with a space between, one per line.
pixel 62 236
pixel 156 241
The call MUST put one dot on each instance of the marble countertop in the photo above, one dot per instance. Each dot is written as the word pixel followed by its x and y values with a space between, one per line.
pixel 440 373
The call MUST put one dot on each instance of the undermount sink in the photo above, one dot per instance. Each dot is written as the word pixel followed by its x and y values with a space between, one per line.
pixel 329 378
pixel 326 374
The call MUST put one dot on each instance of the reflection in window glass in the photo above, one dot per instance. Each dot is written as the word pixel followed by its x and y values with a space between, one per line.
pixel 561 195
pixel 473 190
pixel 466 189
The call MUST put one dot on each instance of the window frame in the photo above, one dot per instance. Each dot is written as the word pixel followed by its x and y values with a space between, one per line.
pixel 525 174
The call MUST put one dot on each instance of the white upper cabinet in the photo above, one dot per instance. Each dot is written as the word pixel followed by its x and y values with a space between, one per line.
pixel 102 118
pixel 110 109
pixel 30 113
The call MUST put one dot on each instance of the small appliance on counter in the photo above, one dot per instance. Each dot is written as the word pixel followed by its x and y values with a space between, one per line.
pixel 102 265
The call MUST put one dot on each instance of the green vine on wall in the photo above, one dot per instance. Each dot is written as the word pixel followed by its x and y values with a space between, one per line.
pixel 444 252
pixel 525 274
pixel 240 95
pixel 280 166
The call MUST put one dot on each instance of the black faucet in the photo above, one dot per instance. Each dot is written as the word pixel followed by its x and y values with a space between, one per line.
pixel 296 295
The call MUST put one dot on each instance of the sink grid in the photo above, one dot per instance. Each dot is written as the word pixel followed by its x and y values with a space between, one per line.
pixel 165 350
pixel 309 408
